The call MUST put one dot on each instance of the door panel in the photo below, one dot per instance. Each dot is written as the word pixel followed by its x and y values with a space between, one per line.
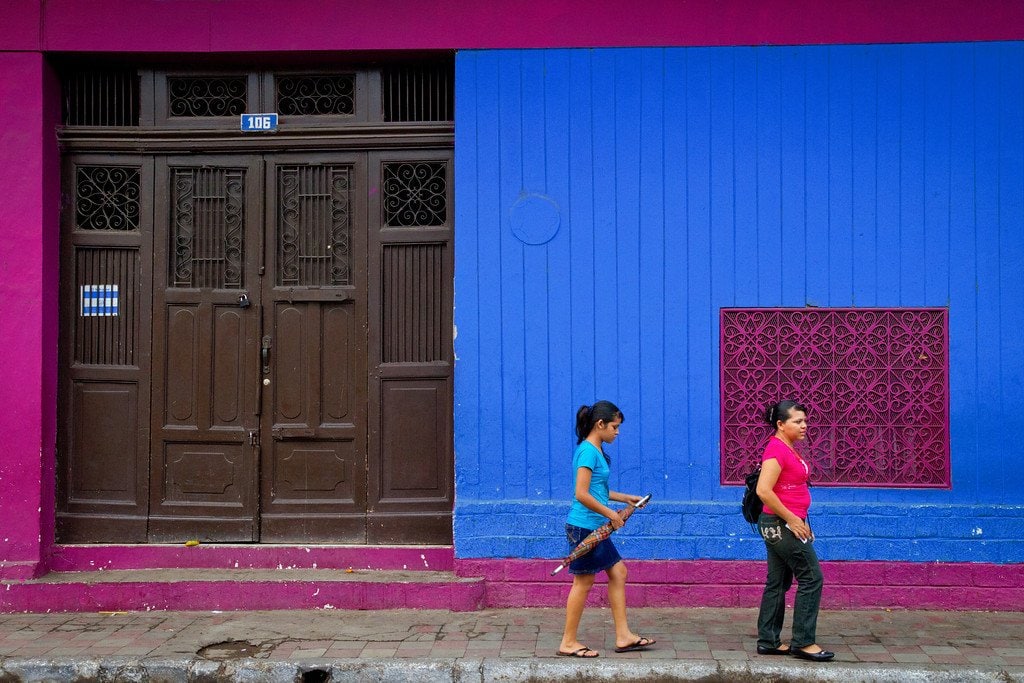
pixel 103 406
pixel 315 302
pixel 410 478
pixel 204 466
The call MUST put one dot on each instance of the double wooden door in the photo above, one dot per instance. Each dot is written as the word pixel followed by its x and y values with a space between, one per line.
pixel 301 368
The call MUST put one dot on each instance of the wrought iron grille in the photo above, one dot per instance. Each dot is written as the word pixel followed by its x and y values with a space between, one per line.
pixel 414 194
pixel 875 382
pixel 314 243
pixel 316 95
pixel 100 97
pixel 207 221
pixel 206 95
pixel 418 93
pixel 107 339
pixel 106 198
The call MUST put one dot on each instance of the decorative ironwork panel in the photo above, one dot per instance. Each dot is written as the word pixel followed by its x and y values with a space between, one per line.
pixel 100 97
pixel 314 226
pixel 415 194
pixel 206 95
pixel 875 382
pixel 207 221
pixel 421 92
pixel 106 337
pixel 106 198
pixel 413 291
pixel 316 95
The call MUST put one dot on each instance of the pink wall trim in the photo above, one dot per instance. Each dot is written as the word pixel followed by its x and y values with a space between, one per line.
pixel 28 163
pixel 716 583
pixel 84 558
pixel 310 25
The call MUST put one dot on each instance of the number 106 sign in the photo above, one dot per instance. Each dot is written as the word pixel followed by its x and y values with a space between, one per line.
pixel 259 123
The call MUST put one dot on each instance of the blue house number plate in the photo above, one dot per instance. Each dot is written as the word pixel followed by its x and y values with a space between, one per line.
pixel 260 123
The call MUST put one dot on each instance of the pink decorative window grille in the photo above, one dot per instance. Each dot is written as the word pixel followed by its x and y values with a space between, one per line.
pixel 875 383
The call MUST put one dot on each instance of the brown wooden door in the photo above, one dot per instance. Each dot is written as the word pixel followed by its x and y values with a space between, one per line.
pixel 410 438
pixel 302 372
pixel 313 481
pixel 203 459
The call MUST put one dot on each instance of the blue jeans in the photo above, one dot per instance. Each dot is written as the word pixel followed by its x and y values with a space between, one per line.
pixel 788 558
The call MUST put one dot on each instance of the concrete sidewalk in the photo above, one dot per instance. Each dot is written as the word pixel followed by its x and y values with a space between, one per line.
pixel 710 644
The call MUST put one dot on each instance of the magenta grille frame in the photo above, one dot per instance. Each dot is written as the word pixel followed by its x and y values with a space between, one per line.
pixel 875 382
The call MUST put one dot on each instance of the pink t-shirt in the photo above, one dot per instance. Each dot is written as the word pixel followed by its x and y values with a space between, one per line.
pixel 791 488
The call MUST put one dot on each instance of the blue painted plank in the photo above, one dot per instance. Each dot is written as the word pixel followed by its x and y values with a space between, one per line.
pixel 581 265
pixel 863 176
pixel 487 225
pixel 816 145
pixel 912 173
pixel 745 85
pixel 938 102
pixel 558 88
pixel 676 378
pixel 651 410
pixel 840 171
pixel 512 262
pixel 701 359
pixel 887 176
pixel 626 248
pixel 1011 266
pixel 722 104
pixel 467 286
pixel 793 255
pixel 535 279
pixel 965 440
pixel 990 415
pixel 605 91
pixel 768 188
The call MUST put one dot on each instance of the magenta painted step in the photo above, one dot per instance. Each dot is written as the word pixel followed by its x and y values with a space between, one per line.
pixel 459 595
pixel 724 583
pixel 83 558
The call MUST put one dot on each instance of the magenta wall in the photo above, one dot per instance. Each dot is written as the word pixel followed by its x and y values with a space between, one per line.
pixel 32 29
pixel 313 25
pixel 28 311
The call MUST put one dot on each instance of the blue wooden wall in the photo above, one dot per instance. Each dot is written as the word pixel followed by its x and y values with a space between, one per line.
pixel 684 180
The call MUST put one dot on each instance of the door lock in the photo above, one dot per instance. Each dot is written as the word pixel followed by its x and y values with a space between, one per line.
pixel 243 301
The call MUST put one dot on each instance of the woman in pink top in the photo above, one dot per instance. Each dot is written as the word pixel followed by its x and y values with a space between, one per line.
pixel 782 487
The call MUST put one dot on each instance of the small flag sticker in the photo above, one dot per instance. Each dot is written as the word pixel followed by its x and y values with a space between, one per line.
pixel 99 300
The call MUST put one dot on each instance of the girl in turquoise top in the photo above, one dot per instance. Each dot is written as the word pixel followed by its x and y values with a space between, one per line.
pixel 596 425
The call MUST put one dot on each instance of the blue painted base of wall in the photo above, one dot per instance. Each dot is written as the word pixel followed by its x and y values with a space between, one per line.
pixel 716 531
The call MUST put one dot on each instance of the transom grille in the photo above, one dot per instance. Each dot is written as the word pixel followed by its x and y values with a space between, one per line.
pixel 207 218
pixel 206 95
pixel 415 194
pixel 316 95
pixel 106 198
pixel 418 93
pixel 100 97
pixel 314 244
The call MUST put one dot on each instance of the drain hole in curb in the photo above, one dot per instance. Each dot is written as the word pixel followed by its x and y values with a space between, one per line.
pixel 234 649
pixel 316 676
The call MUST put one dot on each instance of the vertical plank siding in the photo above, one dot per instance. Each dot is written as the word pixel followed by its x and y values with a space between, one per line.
pixel 685 180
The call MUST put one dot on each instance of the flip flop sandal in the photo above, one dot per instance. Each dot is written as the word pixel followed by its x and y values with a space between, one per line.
pixel 579 654
pixel 642 643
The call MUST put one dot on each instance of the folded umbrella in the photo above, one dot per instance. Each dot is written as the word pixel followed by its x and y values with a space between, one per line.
pixel 599 534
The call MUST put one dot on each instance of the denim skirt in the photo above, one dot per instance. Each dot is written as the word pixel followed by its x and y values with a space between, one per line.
pixel 602 558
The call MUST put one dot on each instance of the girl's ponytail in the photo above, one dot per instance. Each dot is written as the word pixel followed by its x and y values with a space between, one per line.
pixel 583 424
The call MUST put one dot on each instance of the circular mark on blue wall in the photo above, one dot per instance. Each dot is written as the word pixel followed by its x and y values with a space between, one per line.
pixel 534 219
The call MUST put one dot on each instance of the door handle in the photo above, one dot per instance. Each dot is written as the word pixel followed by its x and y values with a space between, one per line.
pixel 265 354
